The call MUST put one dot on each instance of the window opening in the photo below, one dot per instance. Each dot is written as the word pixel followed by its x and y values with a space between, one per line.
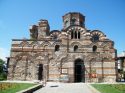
pixel 75 48
pixel 94 48
pixel 57 48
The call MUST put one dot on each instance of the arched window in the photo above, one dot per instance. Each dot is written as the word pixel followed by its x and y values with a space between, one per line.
pixel 94 48
pixel 57 48
pixel 78 35
pixel 75 35
pixel 75 48
pixel 71 34
pixel 95 38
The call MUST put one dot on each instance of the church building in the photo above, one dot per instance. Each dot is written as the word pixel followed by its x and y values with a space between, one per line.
pixel 72 54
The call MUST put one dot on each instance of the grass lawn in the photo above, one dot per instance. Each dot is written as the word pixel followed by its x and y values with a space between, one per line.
pixel 110 88
pixel 13 87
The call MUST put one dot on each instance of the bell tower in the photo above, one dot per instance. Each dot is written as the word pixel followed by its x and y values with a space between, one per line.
pixel 73 18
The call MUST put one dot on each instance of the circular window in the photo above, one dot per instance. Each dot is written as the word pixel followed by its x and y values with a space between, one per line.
pixel 95 38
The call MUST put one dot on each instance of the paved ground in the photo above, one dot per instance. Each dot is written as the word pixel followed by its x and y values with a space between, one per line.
pixel 65 88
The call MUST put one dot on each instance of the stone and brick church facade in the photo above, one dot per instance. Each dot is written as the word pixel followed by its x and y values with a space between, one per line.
pixel 74 54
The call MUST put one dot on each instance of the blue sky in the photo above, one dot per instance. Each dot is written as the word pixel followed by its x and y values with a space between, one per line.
pixel 17 15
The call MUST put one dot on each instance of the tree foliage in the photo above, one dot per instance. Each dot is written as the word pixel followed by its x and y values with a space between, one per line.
pixel 1 61
pixel 2 73
pixel 1 65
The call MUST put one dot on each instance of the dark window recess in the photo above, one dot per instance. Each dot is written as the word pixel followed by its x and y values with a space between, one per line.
pixel 75 35
pixel 57 48
pixel 94 48
pixel 75 48
pixel 71 34
pixel 78 35
pixel 95 38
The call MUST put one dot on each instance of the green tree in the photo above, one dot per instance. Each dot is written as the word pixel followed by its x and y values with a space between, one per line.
pixel 2 73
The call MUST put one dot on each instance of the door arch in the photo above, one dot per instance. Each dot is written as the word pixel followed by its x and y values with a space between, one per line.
pixel 40 72
pixel 79 71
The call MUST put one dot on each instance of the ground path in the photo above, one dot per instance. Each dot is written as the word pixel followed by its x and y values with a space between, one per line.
pixel 65 88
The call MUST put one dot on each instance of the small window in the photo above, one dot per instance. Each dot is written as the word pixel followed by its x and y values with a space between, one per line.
pixel 78 35
pixel 94 48
pixel 57 48
pixel 75 35
pixel 75 48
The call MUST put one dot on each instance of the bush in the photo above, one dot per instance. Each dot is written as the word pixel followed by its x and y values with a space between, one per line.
pixel 3 76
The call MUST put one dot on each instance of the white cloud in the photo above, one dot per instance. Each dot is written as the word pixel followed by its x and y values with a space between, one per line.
pixel 4 53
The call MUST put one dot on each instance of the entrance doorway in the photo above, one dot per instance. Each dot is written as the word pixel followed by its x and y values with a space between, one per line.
pixel 40 71
pixel 79 73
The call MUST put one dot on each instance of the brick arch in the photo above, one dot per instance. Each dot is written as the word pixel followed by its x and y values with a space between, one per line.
pixel 46 43
pixel 57 43
pixel 97 32
pixel 24 44
pixel 35 43
pixel 76 32
pixel 78 28
pixel 76 43
pixel 80 57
